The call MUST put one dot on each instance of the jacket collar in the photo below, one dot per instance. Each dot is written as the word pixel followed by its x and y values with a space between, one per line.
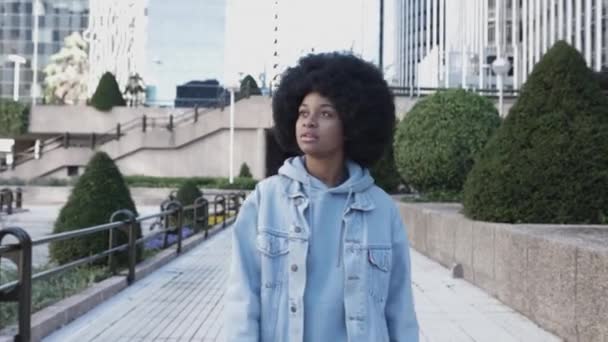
pixel 360 201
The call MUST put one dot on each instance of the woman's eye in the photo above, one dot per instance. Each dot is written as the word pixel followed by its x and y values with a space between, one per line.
pixel 326 114
pixel 303 113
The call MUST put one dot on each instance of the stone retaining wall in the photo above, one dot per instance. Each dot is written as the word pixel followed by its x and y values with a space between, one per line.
pixel 556 275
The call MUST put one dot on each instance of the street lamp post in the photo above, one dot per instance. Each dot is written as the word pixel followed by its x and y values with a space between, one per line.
pixel 232 87
pixel 38 10
pixel 17 60
pixel 501 66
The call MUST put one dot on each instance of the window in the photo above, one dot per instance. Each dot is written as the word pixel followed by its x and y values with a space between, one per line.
pixel 72 170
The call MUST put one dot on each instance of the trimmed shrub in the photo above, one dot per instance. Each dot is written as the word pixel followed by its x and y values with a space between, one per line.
pixel 14 118
pixel 187 193
pixel 436 142
pixel 107 94
pixel 99 192
pixel 249 86
pixel 244 172
pixel 201 182
pixel 548 163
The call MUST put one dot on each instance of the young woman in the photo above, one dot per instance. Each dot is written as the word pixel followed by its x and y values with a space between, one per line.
pixel 319 252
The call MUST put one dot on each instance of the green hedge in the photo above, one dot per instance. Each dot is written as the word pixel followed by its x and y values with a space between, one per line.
pixel 201 182
pixel 548 163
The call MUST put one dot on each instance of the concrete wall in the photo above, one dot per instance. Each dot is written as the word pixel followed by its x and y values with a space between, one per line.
pixel 86 119
pixel 557 275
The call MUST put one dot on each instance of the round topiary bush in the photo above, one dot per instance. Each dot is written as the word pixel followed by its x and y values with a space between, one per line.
pixel 99 192
pixel 107 94
pixel 436 142
pixel 548 163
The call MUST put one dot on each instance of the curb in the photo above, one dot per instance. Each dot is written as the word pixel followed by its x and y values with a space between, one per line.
pixel 55 316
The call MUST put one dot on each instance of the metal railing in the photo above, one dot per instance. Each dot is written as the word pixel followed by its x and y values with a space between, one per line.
pixel 171 214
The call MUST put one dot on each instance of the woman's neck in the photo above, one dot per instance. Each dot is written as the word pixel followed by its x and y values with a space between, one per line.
pixel 329 171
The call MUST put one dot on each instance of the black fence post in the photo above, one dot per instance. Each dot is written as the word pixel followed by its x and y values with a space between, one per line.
pixel 201 205
pixel 144 122
pixel 196 113
pixel 22 293
pixel 118 131
pixel 170 127
pixel 220 200
pixel 93 140
pixel 66 140
pixel 19 198
pixel 178 211
pixel 130 224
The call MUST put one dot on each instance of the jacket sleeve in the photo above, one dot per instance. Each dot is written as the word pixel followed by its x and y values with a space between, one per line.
pixel 400 315
pixel 242 301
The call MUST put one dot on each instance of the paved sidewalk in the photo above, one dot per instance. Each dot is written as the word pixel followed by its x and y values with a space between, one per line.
pixel 183 302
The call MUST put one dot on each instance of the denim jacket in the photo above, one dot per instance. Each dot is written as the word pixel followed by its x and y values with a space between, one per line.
pixel 264 299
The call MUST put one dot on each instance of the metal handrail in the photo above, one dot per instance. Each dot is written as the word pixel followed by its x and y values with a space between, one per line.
pixel 20 290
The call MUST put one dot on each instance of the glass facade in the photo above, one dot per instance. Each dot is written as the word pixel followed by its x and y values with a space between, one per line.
pixel 57 19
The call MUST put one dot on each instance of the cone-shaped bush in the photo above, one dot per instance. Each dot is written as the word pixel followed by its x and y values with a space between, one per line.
pixel 436 142
pixel 186 195
pixel 245 172
pixel 99 192
pixel 107 94
pixel 548 162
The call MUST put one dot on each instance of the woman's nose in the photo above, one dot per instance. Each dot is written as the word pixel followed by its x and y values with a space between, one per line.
pixel 310 121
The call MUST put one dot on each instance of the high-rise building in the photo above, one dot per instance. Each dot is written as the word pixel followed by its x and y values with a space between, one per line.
pixel 56 20
pixel 117 40
pixel 453 43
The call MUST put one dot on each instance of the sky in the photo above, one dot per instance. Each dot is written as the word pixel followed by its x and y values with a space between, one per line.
pixel 326 25
pixel 185 42
pixel 228 39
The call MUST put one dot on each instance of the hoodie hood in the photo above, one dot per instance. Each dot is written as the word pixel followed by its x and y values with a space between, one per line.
pixel 359 179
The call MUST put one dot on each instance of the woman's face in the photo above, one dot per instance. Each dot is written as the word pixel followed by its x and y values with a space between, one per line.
pixel 319 130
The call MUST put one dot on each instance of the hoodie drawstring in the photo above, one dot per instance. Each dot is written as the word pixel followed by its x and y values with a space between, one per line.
pixel 343 226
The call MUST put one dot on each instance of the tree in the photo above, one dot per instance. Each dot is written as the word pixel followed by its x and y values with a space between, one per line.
pixel 14 118
pixel 67 72
pixel 548 162
pixel 107 95
pixel 244 172
pixel 249 86
pixel 436 142
pixel 99 192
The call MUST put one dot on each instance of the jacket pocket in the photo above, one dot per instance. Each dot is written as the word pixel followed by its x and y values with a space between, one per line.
pixel 379 267
pixel 273 247
pixel 272 244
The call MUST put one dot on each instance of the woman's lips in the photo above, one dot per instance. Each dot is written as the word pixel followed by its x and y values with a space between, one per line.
pixel 309 137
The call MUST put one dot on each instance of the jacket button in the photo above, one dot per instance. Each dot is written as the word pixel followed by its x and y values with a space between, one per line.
pixel 297 230
pixel 294 268
pixel 294 309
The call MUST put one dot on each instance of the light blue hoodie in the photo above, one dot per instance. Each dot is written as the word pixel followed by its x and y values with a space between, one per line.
pixel 312 263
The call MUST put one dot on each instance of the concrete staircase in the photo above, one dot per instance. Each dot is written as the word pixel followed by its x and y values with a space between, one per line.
pixel 193 139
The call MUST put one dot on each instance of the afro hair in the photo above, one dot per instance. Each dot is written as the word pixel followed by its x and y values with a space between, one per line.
pixel 359 93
